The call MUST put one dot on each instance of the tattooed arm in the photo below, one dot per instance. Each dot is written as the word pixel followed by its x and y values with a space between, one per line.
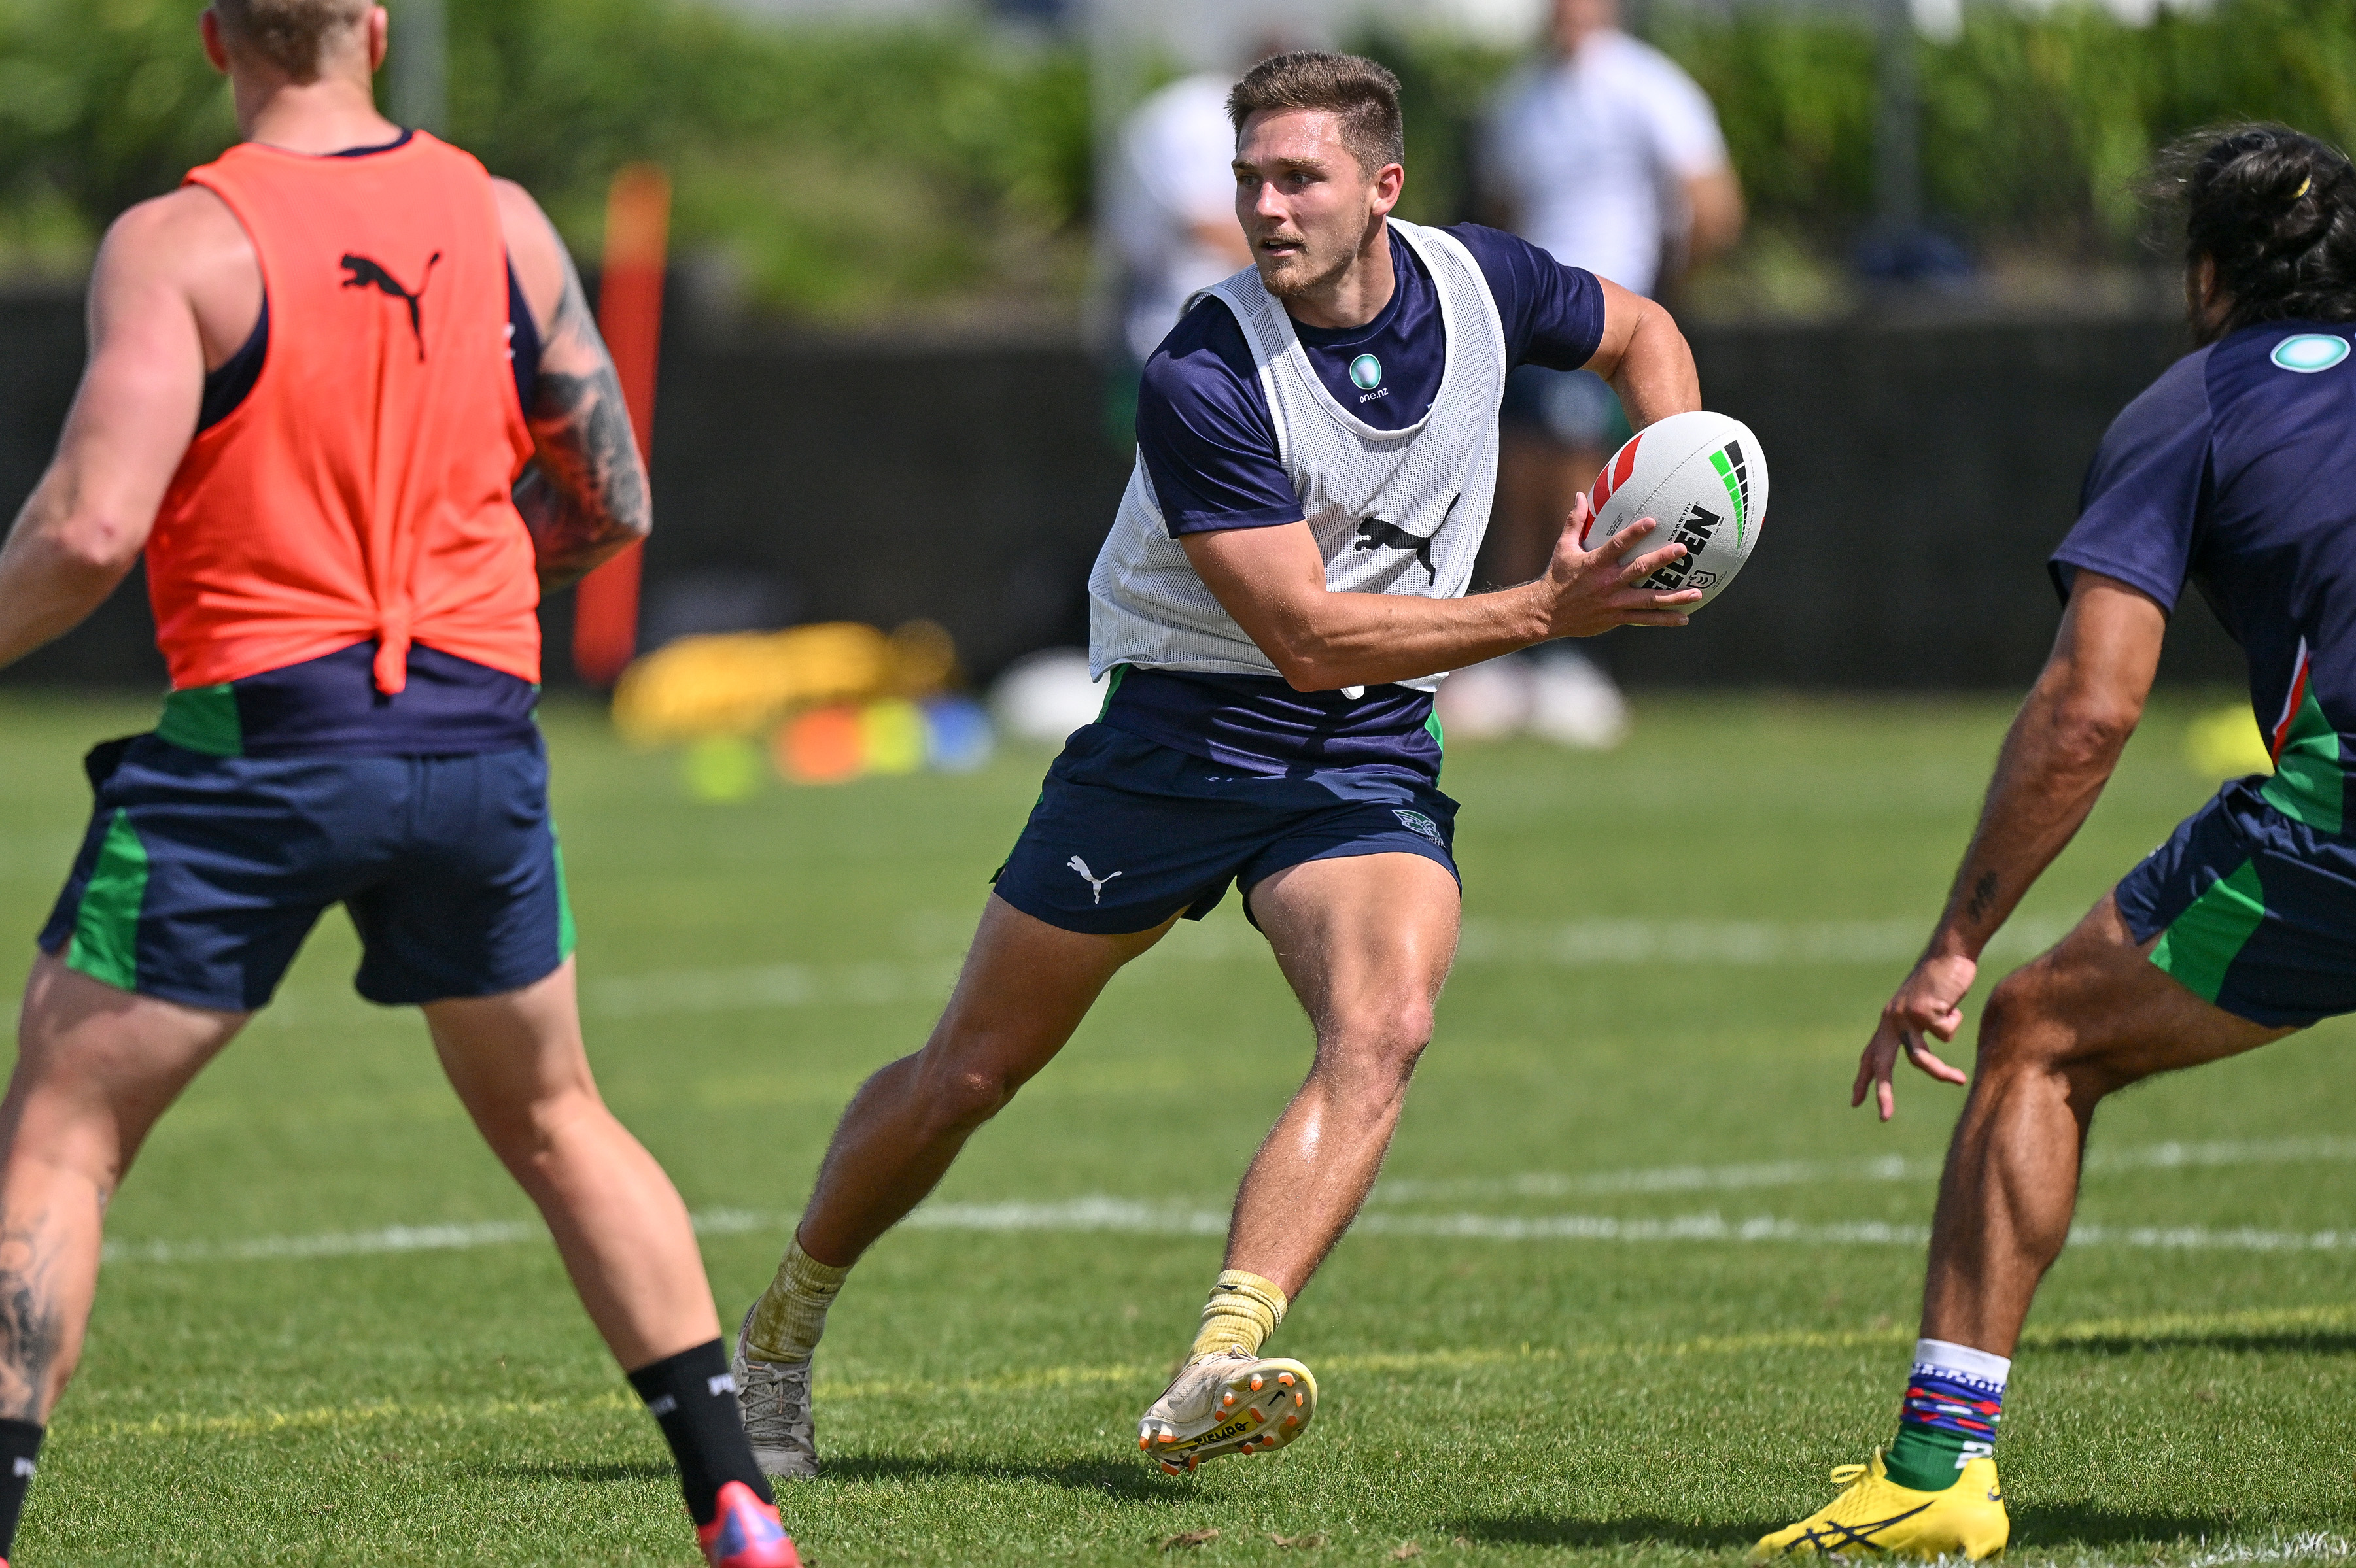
pixel 2056 759
pixel 584 497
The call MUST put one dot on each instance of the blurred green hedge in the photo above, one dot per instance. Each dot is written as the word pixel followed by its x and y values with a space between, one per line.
pixel 842 170
pixel 854 171
pixel 2036 125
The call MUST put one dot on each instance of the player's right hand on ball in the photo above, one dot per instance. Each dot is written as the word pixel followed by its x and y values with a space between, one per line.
pixel 1593 590
pixel 1930 1003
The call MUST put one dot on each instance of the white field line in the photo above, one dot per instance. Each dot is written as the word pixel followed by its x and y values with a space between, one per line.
pixel 1098 1214
pixel 2311 1547
pixel 1114 1214
pixel 1881 1167
pixel 1575 945
pixel 391 1239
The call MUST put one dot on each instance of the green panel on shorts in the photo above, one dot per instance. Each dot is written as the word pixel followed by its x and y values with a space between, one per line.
pixel 1112 684
pixel 203 719
pixel 564 932
pixel 2309 786
pixel 1431 728
pixel 105 943
pixel 2200 944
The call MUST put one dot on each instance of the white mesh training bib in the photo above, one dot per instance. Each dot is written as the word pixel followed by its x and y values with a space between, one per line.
pixel 1393 511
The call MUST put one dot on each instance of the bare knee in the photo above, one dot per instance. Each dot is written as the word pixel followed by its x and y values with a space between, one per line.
pixel 2018 1028
pixel 1373 1048
pixel 2028 1031
pixel 956 1097
pixel 530 1137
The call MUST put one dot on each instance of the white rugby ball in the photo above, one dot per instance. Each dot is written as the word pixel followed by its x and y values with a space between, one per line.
pixel 1703 479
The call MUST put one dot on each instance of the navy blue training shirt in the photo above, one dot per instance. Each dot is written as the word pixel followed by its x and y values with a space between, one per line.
pixel 1202 424
pixel 2236 471
pixel 1208 443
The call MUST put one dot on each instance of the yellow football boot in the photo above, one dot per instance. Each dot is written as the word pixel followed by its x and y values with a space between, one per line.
pixel 1876 1514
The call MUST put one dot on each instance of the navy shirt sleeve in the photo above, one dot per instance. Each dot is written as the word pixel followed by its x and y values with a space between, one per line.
pixel 2147 489
pixel 1553 315
pixel 1203 430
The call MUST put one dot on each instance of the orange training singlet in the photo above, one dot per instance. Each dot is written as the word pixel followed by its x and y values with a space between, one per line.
pixel 360 490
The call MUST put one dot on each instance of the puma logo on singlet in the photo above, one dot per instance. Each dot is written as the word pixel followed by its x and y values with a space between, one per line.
pixel 1377 534
pixel 367 273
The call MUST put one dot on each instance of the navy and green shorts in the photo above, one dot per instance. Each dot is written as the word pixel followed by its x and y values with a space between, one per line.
pixel 2255 911
pixel 1128 832
pixel 200 875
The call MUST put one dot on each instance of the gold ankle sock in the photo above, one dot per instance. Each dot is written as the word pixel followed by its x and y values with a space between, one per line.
pixel 1243 1311
pixel 792 1314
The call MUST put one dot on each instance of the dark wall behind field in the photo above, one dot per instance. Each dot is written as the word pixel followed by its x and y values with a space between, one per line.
pixel 1921 471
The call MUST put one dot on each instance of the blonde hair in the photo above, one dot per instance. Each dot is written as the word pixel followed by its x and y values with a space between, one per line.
pixel 293 34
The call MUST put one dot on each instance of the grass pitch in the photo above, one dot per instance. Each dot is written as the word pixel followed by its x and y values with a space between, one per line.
pixel 1636 1278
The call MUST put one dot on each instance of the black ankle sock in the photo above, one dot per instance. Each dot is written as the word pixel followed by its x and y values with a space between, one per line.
pixel 693 1399
pixel 20 1445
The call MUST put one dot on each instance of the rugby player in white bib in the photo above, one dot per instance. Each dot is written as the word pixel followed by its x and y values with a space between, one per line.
pixel 1281 592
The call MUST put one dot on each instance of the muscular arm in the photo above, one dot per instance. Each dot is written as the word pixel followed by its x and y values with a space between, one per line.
pixel 584 497
pixel 1272 580
pixel 83 526
pixel 2056 759
pixel 1644 358
pixel 2058 755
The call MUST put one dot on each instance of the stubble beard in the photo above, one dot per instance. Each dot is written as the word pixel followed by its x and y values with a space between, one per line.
pixel 1303 274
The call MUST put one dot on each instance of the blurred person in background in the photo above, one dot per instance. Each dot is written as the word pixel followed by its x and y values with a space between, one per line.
pixel 345 394
pixel 1608 157
pixel 1172 214
pixel 2234 472
pixel 1271 614
pixel 1170 217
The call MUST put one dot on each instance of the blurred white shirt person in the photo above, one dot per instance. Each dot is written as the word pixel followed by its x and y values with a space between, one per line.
pixel 1172 212
pixel 1608 154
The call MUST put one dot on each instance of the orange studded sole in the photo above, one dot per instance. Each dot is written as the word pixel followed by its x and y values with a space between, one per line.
pixel 1265 1406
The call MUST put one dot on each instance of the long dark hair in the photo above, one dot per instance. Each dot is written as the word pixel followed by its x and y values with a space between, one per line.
pixel 2275 211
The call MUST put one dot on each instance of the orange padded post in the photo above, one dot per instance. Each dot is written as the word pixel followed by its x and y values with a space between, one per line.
pixel 629 313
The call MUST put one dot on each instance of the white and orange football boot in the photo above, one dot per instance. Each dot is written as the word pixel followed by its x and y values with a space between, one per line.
pixel 1233 1403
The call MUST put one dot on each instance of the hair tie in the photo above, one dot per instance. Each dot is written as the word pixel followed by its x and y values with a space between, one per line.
pixel 2303 186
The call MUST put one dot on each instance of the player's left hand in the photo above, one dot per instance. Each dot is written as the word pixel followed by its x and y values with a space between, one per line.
pixel 1588 592
pixel 1930 1002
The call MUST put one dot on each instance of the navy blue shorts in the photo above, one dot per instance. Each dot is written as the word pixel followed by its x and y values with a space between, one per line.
pixel 1127 833
pixel 2255 911
pixel 200 876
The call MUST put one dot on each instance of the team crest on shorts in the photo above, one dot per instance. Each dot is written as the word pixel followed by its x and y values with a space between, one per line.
pixel 1420 825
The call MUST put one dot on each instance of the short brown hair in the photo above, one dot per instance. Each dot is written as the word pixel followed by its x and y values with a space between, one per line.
pixel 289 34
pixel 1360 94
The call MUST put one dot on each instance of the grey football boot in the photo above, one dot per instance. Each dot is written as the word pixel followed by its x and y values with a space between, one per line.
pixel 774 1398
